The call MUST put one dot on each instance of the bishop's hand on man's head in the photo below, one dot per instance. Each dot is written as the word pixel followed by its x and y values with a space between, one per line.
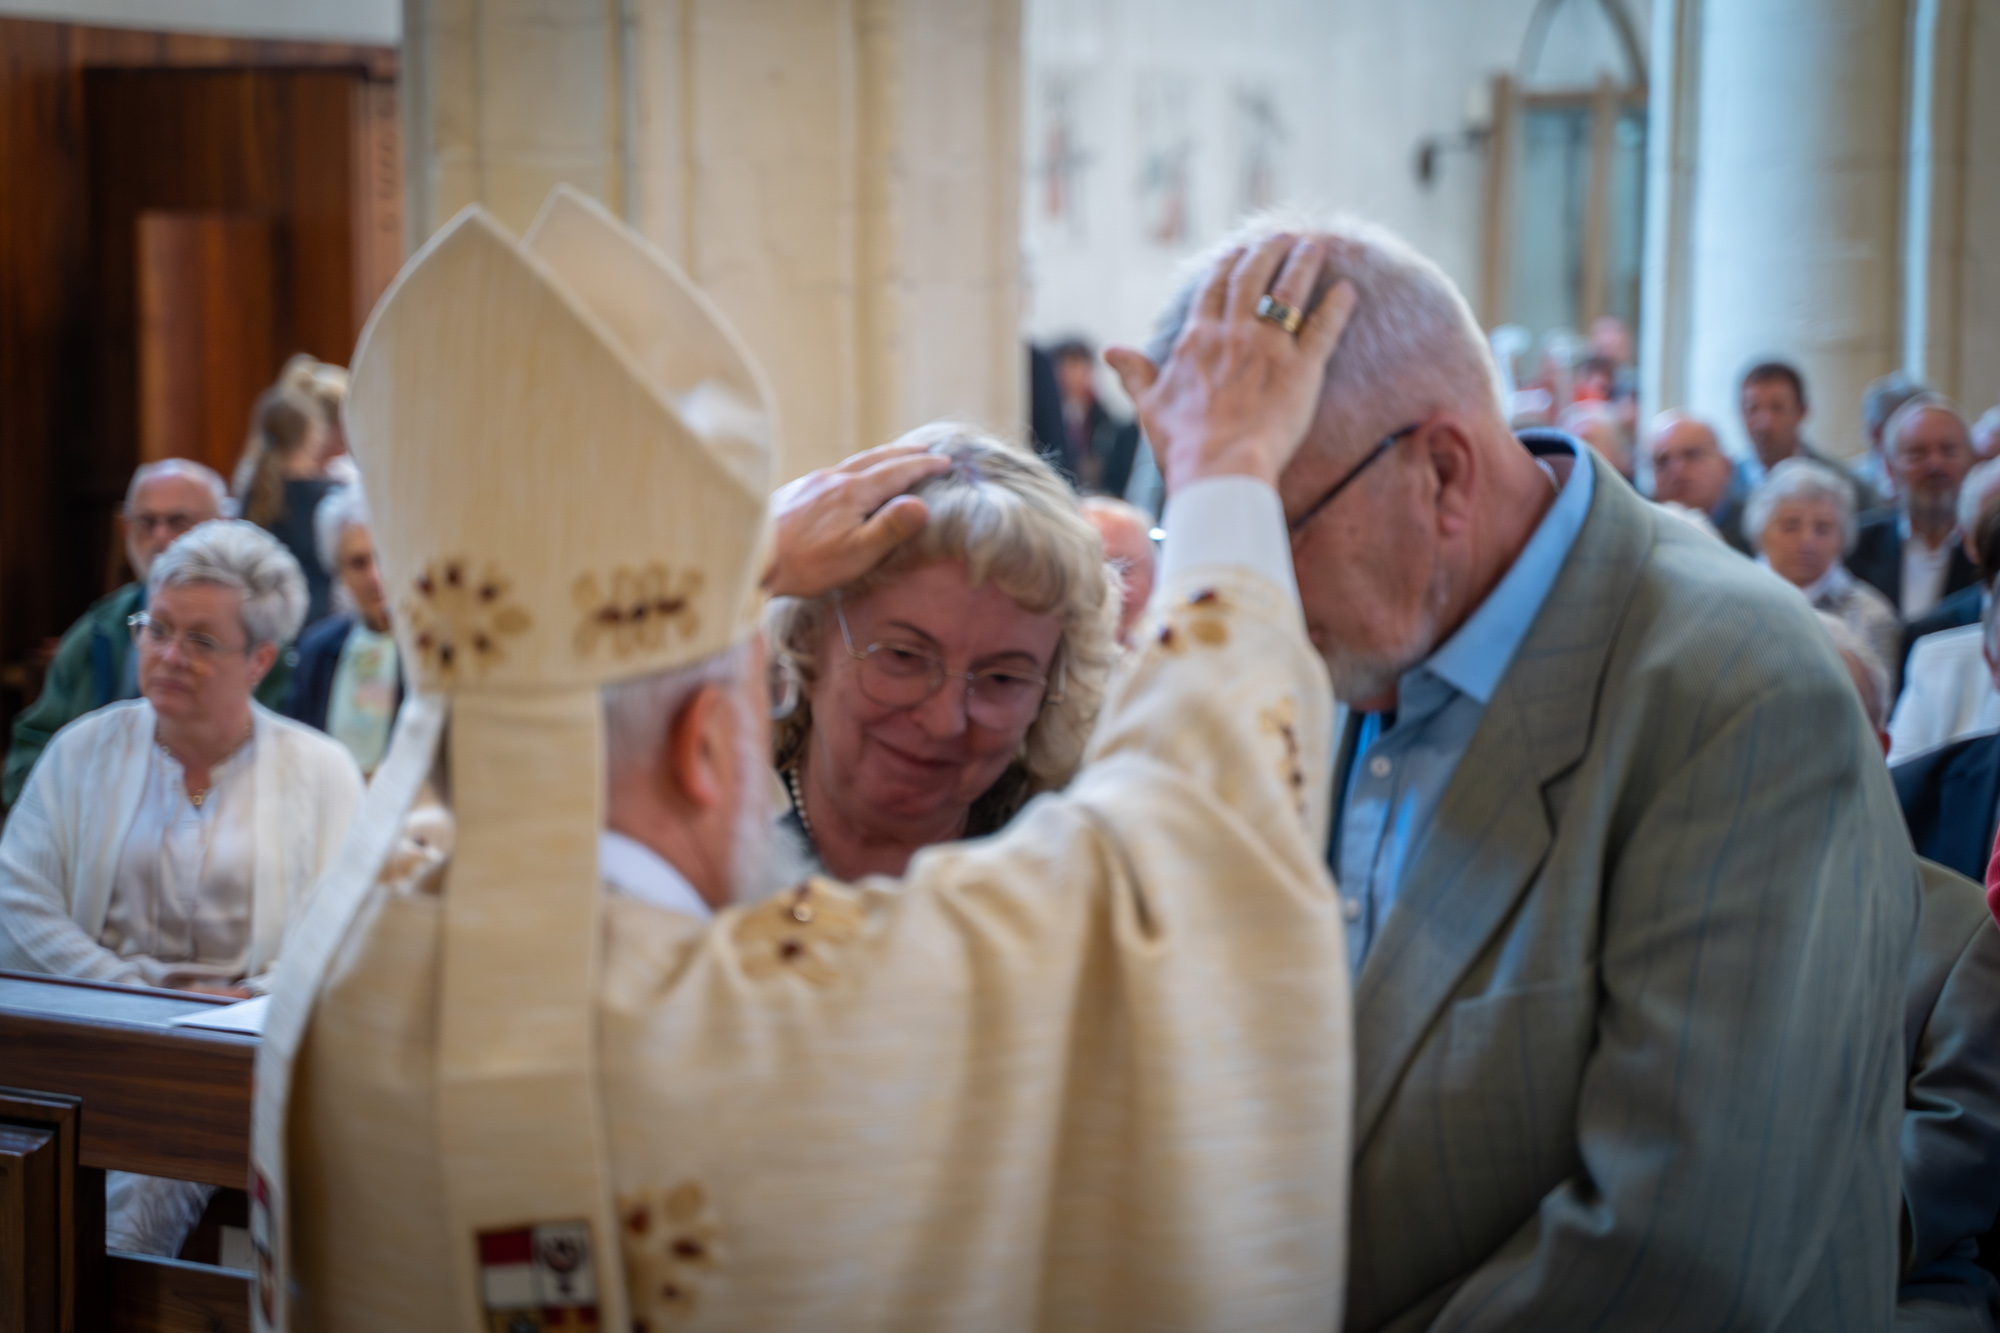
pixel 1238 391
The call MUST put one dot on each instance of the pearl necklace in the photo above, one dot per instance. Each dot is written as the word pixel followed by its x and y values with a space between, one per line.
pixel 793 786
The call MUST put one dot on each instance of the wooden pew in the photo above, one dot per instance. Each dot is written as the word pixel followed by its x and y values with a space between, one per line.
pixel 96 1078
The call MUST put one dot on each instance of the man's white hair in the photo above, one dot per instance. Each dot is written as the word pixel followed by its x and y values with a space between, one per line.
pixel 341 508
pixel 180 467
pixel 1799 479
pixel 230 553
pixel 639 713
pixel 1412 347
pixel 1874 673
pixel 1979 483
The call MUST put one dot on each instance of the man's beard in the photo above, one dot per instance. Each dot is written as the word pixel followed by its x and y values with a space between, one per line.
pixel 1359 677
pixel 1931 508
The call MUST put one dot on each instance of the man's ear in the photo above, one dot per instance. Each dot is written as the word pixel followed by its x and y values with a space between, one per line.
pixel 1451 455
pixel 697 742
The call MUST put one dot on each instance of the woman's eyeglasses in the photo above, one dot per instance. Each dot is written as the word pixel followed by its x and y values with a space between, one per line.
pixel 201 650
pixel 903 675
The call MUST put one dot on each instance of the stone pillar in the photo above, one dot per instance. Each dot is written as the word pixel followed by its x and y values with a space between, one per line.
pixel 1788 172
pixel 842 176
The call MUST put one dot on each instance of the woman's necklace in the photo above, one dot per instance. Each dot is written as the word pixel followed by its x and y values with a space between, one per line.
pixel 195 798
pixel 793 786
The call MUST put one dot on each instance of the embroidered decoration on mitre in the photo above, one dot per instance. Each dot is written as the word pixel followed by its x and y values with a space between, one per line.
pixel 567 394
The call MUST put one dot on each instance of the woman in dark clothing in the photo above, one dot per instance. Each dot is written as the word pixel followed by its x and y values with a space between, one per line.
pixel 282 479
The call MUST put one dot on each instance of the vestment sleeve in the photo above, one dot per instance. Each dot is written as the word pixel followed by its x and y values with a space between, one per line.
pixel 1092 1072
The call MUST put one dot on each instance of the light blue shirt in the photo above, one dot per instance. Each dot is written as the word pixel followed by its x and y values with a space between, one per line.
pixel 1399 776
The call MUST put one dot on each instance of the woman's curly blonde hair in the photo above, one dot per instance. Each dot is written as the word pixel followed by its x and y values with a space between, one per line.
pixel 1015 523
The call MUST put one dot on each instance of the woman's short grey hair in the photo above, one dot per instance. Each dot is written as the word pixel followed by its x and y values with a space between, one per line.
pixel 1799 479
pixel 1016 524
pixel 341 508
pixel 230 553
pixel 1874 673
pixel 1412 348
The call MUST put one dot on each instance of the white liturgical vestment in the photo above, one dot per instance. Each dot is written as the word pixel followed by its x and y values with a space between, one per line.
pixel 1093 1072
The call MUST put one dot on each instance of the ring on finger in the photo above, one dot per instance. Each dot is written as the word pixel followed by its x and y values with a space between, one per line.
pixel 1282 313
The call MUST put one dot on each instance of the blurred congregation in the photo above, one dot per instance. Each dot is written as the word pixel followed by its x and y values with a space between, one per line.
pixel 1597 759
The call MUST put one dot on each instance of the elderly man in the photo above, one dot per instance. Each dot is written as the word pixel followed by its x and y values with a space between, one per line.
pixel 1913 552
pixel 1773 401
pixel 1689 468
pixel 1128 545
pixel 349 681
pixel 95 664
pixel 1630 917
pixel 1090 1072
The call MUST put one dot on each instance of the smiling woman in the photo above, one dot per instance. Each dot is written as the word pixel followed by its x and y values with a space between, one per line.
pixel 932 697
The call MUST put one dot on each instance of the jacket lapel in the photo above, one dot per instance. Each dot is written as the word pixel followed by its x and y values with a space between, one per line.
pixel 1492 829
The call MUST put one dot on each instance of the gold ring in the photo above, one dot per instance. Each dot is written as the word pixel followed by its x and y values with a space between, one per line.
pixel 1286 316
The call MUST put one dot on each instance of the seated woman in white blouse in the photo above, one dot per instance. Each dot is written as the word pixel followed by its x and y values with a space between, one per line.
pixel 163 841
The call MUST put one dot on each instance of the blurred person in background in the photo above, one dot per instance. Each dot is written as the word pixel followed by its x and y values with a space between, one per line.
pixel 325 384
pixel 1595 422
pixel 1968 604
pixel 282 478
pixel 348 682
pixel 1882 399
pixel 162 841
pixel 1099 447
pixel 1868 671
pixel 94 665
pixel 1127 533
pixel 1773 400
pixel 1800 520
pixel 1986 433
pixel 929 698
pixel 1947 689
pixel 1951 793
pixel 1911 552
pixel 1690 469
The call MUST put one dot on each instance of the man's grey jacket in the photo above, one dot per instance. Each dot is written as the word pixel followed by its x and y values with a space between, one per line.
pixel 1629 1045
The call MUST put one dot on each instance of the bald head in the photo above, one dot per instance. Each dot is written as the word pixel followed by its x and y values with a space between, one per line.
pixel 1128 545
pixel 1689 467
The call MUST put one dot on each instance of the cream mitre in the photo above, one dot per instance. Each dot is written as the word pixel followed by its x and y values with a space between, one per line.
pixel 568 455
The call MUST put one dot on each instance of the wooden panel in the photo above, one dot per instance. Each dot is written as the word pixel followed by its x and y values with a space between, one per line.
pixel 205 332
pixel 158 1099
pixel 77 1229
pixel 63 462
pixel 150 1295
pixel 30 1221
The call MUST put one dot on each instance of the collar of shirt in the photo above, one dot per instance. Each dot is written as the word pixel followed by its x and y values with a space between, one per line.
pixel 1939 552
pixel 1473 659
pixel 1834 583
pixel 636 870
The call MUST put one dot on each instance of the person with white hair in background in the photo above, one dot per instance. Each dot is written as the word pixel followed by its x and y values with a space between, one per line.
pixel 348 681
pixel 1911 551
pixel 1801 520
pixel 166 841
pixel 1128 546
pixel 1947 689
pixel 95 664
pixel 1616 883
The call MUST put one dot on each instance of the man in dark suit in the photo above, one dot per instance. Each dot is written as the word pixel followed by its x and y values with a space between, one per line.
pixel 1101 445
pixel 348 681
pixel 1773 402
pixel 1951 1110
pixel 1979 524
pixel 1911 552
pixel 1689 468
pixel 1948 797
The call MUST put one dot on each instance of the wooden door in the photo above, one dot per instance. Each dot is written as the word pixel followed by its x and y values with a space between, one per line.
pixel 207 345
